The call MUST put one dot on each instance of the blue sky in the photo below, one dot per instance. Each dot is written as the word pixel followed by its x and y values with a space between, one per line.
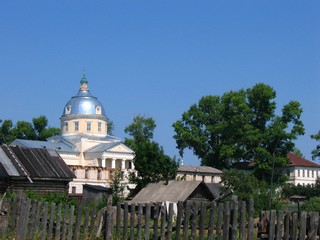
pixel 157 58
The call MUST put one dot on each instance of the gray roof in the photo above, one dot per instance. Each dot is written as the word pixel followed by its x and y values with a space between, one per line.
pixel 199 170
pixel 175 191
pixel 59 146
pixel 214 188
pixel 34 163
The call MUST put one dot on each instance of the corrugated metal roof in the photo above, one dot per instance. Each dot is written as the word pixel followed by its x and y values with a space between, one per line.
pixel 37 163
pixel 59 146
pixel 159 192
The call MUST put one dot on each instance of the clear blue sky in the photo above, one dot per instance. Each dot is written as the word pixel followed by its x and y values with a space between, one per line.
pixel 156 58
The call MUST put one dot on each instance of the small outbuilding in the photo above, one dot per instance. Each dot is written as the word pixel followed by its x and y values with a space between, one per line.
pixel 175 191
pixel 37 169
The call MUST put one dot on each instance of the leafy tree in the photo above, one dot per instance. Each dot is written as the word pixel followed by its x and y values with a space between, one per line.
pixel 151 163
pixel 117 188
pixel 247 186
pixel 311 205
pixel 37 130
pixel 240 125
pixel 316 152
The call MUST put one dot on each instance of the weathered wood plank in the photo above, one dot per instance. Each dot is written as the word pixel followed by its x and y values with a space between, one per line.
pixel 44 221
pixel 140 212
pixel 194 217
pixel 219 221
pixel 286 231
pixel 64 223
pixel 118 220
pixel 58 222
pixel 156 221
pixel 70 226
pixel 125 220
pixel 179 220
pixel 226 220
pixel 251 220
pixel 303 225
pixel 170 221
pixel 242 224
pixel 203 215
pixel 279 226
pixel 51 220
pixel 211 220
pixel 294 227
pixel 163 214
pixel 147 221
pixel 234 218
pixel 186 219
pixel 313 225
pixel 132 221
pixel 78 222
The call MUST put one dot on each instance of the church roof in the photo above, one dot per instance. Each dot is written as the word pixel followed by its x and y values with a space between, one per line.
pixel 301 162
pixel 59 146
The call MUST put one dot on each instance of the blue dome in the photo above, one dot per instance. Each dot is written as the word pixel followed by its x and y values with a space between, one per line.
pixel 84 103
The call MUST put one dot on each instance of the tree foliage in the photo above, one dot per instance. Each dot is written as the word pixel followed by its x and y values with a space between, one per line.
pixel 246 186
pixel 117 188
pixel 150 161
pixel 240 125
pixel 316 152
pixel 36 130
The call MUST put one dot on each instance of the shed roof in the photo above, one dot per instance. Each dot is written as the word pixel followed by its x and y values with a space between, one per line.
pixel 34 163
pixel 174 191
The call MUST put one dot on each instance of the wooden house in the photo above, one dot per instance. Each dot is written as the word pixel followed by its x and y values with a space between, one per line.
pixel 37 169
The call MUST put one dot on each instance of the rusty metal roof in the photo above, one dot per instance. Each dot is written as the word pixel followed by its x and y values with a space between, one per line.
pixel 34 163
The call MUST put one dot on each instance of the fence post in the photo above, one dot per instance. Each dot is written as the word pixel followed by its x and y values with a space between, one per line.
pixel 251 219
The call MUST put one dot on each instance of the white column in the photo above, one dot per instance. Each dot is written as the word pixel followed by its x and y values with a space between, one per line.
pixel 132 165
pixel 123 164
pixel 113 163
pixel 103 162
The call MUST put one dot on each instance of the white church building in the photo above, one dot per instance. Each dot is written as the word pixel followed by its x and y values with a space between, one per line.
pixel 92 154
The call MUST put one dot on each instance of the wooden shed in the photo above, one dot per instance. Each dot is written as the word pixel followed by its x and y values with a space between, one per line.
pixel 37 169
pixel 174 191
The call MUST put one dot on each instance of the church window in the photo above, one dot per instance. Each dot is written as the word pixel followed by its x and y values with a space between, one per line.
pixel 88 126
pixel 73 190
pixel 99 174
pixel 86 173
pixel 76 126
pixel 66 126
pixel 99 126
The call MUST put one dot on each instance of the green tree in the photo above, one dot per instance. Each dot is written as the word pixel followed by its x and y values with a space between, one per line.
pixel 150 161
pixel 240 125
pixel 247 186
pixel 316 152
pixel 117 188
pixel 37 130
pixel 311 205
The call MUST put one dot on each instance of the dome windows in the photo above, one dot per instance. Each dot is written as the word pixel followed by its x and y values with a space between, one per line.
pixel 98 110
pixel 68 109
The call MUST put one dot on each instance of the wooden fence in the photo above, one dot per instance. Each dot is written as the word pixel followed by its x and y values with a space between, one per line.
pixel 26 219
pixel 289 225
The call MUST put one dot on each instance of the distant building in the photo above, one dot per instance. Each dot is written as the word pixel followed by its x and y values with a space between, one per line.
pixel 40 170
pixel 199 173
pixel 84 144
pixel 299 170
